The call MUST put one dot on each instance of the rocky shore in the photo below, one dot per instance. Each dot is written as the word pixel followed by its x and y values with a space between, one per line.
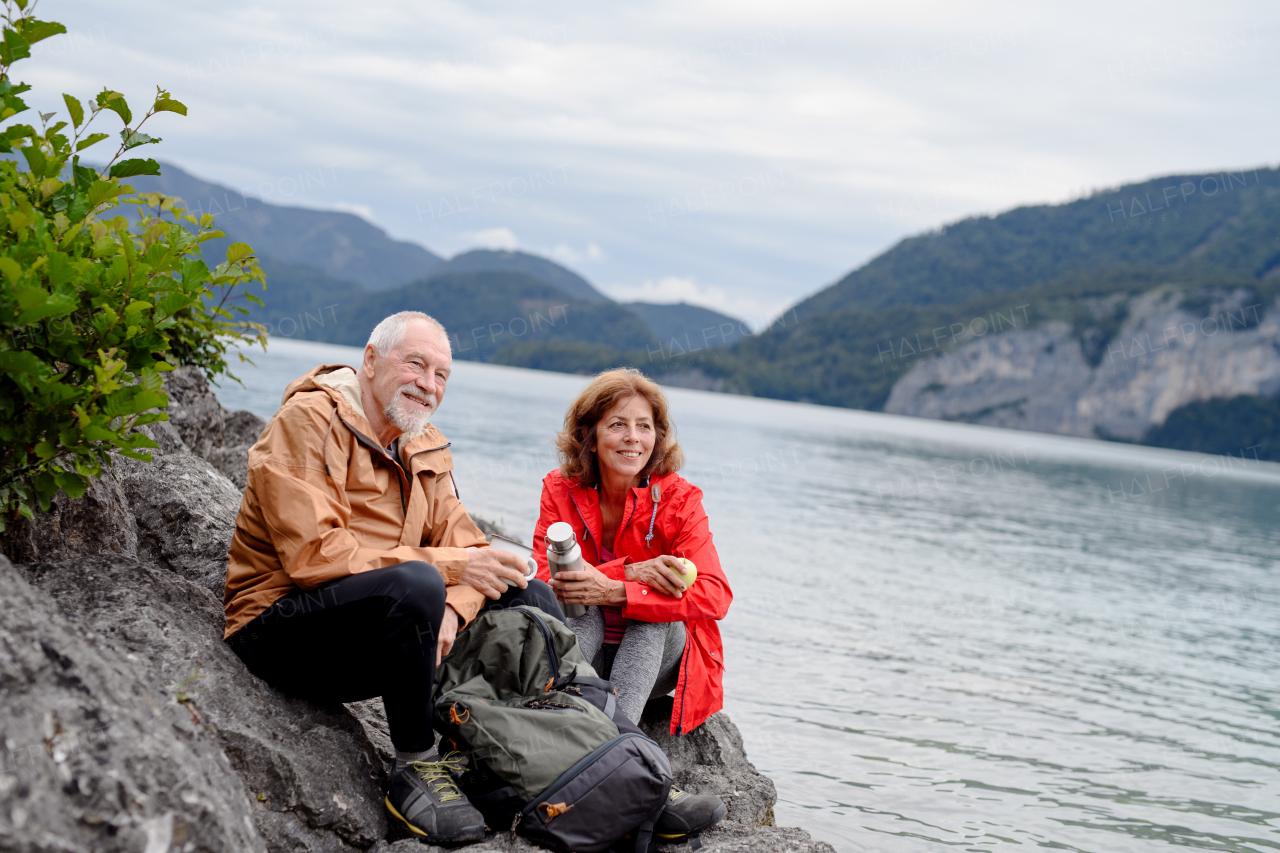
pixel 126 724
pixel 1169 349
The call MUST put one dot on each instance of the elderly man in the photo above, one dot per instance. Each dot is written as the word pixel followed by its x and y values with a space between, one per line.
pixel 354 564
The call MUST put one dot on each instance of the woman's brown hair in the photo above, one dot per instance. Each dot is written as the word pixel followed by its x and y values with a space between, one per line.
pixel 577 442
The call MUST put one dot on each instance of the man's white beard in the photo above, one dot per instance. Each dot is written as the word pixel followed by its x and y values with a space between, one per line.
pixel 412 422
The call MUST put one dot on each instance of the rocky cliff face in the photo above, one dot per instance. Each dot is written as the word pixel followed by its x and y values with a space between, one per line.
pixel 1169 351
pixel 126 724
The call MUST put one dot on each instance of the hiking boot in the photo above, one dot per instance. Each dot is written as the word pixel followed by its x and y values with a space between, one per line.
pixel 688 814
pixel 427 801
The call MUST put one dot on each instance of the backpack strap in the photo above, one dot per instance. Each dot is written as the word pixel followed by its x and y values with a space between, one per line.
pixel 644 832
pixel 611 696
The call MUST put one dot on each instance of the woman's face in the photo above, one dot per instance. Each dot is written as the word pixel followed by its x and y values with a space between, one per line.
pixel 625 437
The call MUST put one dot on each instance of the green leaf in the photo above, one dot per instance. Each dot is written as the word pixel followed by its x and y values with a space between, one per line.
pixel 60 269
pixel 93 432
pixel 132 139
pixel 114 101
pixel 36 161
pixel 73 484
pixel 14 47
pixel 237 252
pixel 13 361
pixel 100 191
pixel 12 269
pixel 58 304
pixel 169 105
pixel 34 31
pixel 129 168
pixel 74 108
pixel 91 139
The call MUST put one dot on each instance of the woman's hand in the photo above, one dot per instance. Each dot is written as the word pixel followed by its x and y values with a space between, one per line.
pixel 589 586
pixel 658 574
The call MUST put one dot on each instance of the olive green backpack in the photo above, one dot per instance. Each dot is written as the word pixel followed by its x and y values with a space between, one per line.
pixel 549 755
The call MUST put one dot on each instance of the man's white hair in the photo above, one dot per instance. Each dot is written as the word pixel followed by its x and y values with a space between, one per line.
pixel 388 334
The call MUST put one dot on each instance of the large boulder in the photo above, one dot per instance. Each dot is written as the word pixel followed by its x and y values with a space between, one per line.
pixel 314 780
pixel 220 437
pixel 96 756
pixel 99 522
pixel 185 513
pixel 712 759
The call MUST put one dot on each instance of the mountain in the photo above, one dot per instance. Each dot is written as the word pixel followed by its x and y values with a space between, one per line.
pixel 1081 264
pixel 490 260
pixel 1222 223
pixel 684 327
pixel 1245 426
pixel 483 311
pixel 1176 347
pixel 341 245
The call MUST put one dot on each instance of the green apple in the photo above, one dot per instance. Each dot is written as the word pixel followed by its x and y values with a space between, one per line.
pixel 690 574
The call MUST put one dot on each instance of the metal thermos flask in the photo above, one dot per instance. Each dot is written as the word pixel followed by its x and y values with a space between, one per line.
pixel 564 553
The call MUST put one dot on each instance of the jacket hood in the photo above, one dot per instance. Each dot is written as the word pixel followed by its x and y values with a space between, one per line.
pixel 342 385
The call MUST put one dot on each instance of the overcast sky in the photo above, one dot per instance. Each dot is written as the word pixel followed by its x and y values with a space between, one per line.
pixel 740 155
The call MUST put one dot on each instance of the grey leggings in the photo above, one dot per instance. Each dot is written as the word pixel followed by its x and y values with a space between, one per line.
pixel 647 664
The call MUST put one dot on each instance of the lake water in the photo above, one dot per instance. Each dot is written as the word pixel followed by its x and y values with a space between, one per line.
pixel 948 637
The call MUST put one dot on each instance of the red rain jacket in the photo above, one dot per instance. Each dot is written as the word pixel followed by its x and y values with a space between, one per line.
pixel 680 528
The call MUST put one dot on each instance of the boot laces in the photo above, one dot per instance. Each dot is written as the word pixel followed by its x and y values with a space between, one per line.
pixel 439 775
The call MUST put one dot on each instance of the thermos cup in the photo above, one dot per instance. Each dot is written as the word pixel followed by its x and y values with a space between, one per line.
pixel 564 553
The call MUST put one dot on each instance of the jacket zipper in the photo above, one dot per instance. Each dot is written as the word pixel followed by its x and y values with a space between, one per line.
pixel 684 691
pixel 402 474
pixel 587 527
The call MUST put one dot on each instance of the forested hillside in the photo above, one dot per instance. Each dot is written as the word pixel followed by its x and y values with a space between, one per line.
pixel 484 311
pixel 340 245
pixel 1078 262
pixel 1189 225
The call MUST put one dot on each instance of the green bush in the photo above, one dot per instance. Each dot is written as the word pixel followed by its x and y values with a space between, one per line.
pixel 93 309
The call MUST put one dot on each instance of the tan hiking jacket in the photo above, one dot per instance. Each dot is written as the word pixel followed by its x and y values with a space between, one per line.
pixel 324 501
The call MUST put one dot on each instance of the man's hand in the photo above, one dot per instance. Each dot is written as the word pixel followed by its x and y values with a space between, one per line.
pixel 589 586
pixel 658 574
pixel 448 632
pixel 486 569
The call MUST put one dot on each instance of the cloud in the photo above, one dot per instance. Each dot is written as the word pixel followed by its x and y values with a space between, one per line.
pixel 566 254
pixel 570 126
pixel 364 211
pixel 674 288
pixel 494 238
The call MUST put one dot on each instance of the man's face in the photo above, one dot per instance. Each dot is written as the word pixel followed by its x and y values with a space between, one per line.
pixel 408 383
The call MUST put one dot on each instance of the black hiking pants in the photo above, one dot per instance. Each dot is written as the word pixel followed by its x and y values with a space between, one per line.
pixel 366 635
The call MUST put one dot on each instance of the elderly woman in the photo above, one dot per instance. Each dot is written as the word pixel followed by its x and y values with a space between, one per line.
pixel 635 517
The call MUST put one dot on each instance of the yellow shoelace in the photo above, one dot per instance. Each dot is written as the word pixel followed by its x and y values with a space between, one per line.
pixel 438 774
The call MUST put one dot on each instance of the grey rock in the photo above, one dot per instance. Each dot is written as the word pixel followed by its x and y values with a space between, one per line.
pixel 314 781
pixel 492 528
pixel 166 435
pixel 95 758
pixel 99 522
pixel 194 410
pixel 242 429
pixel 1171 350
pixel 220 437
pixel 711 759
pixel 185 513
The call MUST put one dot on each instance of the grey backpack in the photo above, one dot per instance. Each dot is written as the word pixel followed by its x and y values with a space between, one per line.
pixel 548 753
